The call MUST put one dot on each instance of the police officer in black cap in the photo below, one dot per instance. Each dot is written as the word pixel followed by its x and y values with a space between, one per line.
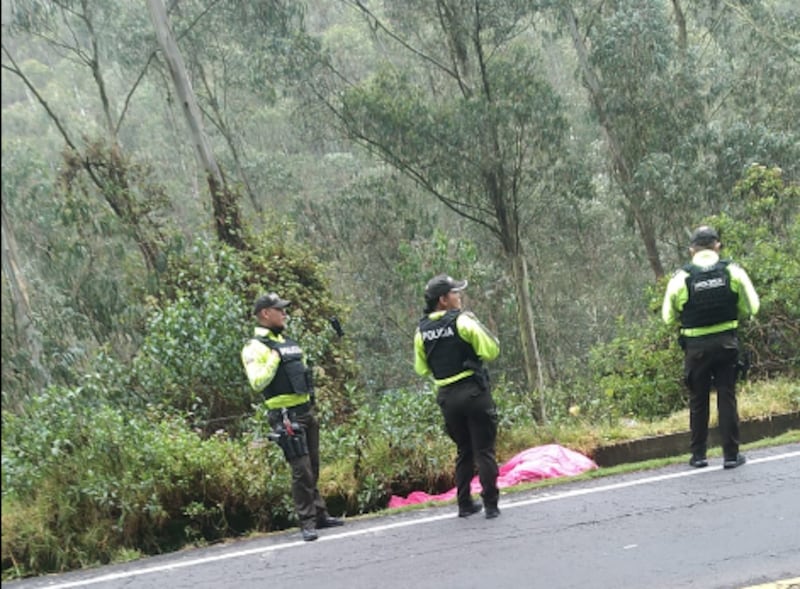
pixel 706 298
pixel 451 345
pixel 275 367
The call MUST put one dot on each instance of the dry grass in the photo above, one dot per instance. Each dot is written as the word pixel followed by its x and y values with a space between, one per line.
pixel 757 400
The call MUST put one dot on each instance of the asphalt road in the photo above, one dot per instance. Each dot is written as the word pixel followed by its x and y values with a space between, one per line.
pixel 670 528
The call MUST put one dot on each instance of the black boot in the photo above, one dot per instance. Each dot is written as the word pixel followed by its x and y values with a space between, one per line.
pixel 492 511
pixel 468 510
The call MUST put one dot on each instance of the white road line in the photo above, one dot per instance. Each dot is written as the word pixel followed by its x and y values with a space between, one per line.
pixel 403 524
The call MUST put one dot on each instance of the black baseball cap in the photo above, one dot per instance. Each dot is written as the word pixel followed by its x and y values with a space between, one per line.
pixel 441 284
pixel 269 301
pixel 704 236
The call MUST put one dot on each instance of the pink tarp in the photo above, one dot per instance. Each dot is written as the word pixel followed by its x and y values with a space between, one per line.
pixel 533 464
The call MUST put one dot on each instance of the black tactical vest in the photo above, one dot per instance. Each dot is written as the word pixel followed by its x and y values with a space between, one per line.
pixel 444 349
pixel 291 376
pixel 711 298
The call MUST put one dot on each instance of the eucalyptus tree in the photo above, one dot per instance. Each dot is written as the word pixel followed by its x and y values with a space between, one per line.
pixel 751 62
pixel 227 214
pixel 461 105
pixel 103 206
pixel 745 56
pixel 647 101
pixel 82 63
pixel 83 32
pixel 26 334
pixel 683 100
pixel 237 55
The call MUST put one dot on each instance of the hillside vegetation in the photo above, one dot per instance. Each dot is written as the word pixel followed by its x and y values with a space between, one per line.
pixel 162 452
pixel 164 167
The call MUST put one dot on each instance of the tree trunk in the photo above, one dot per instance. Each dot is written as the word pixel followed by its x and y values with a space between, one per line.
pixel 680 22
pixel 227 216
pixel 218 120
pixel 25 331
pixel 621 166
pixel 527 335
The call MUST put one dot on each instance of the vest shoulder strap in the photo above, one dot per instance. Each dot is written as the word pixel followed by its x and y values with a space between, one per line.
pixel 266 341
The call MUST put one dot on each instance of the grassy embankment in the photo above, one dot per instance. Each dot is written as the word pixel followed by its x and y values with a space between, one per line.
pixel 757 400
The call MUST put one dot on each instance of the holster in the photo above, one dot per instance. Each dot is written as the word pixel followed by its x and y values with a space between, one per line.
pixel 742 365
pixel 293 446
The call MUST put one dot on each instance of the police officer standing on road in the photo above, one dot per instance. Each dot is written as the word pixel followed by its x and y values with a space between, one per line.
pixel 707 297
pixel 276 368
pixel 452 345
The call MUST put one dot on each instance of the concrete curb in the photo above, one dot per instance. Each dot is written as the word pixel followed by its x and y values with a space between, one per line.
pixel 677 444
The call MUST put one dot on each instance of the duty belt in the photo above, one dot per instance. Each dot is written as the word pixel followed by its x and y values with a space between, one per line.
pixel 300 409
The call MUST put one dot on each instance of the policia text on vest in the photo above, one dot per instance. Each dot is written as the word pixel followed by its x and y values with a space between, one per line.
pixel 451 346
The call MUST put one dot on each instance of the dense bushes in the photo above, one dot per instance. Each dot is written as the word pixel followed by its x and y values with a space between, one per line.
pixel 640 372
pixel 157 453
pixel 766 241
pixel 189 359
pixel 84 479
pixel 84 482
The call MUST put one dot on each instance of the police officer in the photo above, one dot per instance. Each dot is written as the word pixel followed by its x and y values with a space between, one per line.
pixel 276 368
pixel 452 346
pixel 706 298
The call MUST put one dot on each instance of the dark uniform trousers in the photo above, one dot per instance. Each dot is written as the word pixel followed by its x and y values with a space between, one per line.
pixel 308 503
pixel 711 360
pixel 470 418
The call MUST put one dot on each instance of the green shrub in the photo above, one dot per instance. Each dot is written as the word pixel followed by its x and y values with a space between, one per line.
pixel 640 373
pixel 98 480
pixel 766 242
pixel 396 442
pixel 190 359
